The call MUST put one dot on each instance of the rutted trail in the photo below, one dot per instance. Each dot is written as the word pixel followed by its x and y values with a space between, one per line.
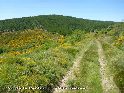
pixel 106 79
pixel 70 73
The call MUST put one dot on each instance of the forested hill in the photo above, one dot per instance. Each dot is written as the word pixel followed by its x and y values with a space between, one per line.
pixel 53 23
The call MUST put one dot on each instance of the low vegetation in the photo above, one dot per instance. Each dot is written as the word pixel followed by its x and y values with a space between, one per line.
pixel 88 77
pixel 36 52
pixel 116 64
pixel 35 58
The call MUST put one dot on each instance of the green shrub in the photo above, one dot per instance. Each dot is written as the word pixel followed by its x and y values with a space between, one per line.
pixel 119 80
pixel 72 51
pixel 2 50
pixel 15 60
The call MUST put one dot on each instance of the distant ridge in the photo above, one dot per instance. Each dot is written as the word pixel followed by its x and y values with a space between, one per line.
pixel 53 23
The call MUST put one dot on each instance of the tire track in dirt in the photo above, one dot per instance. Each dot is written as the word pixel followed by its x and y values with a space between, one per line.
pixel 108 84
pixel 70 73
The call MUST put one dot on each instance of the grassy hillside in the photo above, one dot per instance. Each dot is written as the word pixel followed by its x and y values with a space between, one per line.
pixel 35 58
pixel 113 45
pixel 37 52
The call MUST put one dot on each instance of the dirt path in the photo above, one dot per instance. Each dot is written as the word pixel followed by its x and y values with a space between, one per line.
pixel 70 73
pixel 107 80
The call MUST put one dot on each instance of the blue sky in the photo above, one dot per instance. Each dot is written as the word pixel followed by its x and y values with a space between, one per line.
pixel 112 10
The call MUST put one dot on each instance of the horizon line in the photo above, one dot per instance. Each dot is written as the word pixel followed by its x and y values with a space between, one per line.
pixel 58 15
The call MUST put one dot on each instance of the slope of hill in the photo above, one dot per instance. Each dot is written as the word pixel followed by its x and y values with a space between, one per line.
pixel 35 58
pixel 53 23
pixel 36 53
